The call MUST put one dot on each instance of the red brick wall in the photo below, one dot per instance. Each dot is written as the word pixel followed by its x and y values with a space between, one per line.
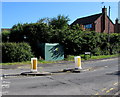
pixel 5 29
pixel 117 28
pixel 111 26
pixel 98 25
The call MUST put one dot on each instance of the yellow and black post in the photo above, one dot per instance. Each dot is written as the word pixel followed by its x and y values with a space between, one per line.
pixel 78 62
pixel 34 64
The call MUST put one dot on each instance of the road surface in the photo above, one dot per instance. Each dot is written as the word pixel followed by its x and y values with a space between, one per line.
pixel 96 78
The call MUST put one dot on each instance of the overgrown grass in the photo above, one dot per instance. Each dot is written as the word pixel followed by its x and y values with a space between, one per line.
pixel 69 58
pixel 29 62
pixel 103 56
pixel 16 63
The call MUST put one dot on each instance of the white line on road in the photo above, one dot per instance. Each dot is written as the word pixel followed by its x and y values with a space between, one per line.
pixel 115 83
pixel 104 89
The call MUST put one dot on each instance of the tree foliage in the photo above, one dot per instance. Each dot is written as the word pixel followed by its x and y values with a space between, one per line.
pixel 5 35
pixel 59 22
pixel 16 52
pixel 74 39
pixel 44 20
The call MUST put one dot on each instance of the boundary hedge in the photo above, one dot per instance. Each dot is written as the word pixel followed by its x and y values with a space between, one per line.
pixel 16 52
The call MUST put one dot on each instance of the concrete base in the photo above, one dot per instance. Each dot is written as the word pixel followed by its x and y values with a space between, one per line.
pixel 72 70
pixel 36 73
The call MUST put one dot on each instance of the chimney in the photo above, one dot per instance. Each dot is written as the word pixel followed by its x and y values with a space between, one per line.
pixel 104 14
pixel 116 21
pixel 104 11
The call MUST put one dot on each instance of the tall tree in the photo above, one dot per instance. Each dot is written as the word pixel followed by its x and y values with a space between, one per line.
pixel 16 34
pixel 44 20
pixel 59 22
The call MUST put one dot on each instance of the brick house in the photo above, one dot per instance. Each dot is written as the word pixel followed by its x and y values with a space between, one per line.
pixel 5 29
pixel 117 26
pixel 98 22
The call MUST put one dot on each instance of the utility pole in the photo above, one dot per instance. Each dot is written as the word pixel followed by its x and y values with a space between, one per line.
pixel 102 4
pixel 109 31
pixel 109 26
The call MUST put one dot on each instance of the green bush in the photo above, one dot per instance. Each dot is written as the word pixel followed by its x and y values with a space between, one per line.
pixel 5 35
pixel 16 52
pixel 114 43
pixel 73 38
pixel 96 51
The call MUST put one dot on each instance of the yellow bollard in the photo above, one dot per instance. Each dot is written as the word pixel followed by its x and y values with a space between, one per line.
pixel 78 62
pixel 34 64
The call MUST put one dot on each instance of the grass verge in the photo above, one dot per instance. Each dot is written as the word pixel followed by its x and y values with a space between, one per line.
pixel 69 58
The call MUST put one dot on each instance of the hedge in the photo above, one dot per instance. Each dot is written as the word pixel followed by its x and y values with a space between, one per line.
pixel 75 40
pixel 16 52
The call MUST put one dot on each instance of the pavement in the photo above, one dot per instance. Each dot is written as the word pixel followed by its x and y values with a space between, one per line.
pixel 51 64
pixel 98 77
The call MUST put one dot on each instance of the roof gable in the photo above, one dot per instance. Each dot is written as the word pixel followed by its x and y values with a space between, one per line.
pixel 110 20
pixel 87 20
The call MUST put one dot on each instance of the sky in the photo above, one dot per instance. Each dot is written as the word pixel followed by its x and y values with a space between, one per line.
pixel 119 10
pixel 30 12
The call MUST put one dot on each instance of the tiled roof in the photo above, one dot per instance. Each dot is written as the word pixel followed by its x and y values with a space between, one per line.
pixel 87 20
pixel 5 29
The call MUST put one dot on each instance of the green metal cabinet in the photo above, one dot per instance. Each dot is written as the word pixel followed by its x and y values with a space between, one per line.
pixel 51 51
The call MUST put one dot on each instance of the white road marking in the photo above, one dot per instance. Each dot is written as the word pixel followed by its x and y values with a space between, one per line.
pixel 115 83
pixel 104 89
pixel 106 66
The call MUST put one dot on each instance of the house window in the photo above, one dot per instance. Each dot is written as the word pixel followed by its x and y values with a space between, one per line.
pixel 88 26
